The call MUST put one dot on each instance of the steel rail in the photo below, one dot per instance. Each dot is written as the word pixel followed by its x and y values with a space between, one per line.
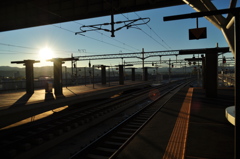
pixel 45 132
pixel 83 152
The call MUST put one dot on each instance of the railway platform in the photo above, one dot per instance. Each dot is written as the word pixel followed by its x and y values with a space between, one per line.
pixel 16 106
pixel 189 126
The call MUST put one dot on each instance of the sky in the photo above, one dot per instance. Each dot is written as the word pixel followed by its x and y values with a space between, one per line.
pixel 61 41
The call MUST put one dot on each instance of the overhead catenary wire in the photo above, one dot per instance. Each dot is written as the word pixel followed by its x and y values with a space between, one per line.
pixel 55 14
pixel 31 48
pixel 85 36
pixel 7 52
pixel 93 38
pixel 25 47
pixel 155 33
pixel 148 34
pixel 116 9
pixel 112 38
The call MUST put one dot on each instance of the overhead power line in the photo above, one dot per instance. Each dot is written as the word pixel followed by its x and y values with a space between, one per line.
pixel 13 52
pixel 155 33
pixel 26 47
pixel 113 38
pixel 116 9
pixel 92 38
pixel 31 48
pixel 148 35
pixel 55 14
pixel 125 24
pixel 23 47
pixel 60 16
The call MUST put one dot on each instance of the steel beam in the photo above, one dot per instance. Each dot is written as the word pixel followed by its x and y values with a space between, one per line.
pixel 28 13
pixel 237 84
pixel 202 14
pixel 223 23
pixel 205 50
pixel 150 54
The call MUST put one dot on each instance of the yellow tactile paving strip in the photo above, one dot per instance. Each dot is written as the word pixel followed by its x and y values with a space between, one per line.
pixel 177 143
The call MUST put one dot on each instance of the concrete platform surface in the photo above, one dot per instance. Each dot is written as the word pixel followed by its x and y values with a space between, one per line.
pixel 16 106
pixel 189 126
pixel 18 98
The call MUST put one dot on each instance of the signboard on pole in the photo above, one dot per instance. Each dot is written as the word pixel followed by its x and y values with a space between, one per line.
pixel 197 33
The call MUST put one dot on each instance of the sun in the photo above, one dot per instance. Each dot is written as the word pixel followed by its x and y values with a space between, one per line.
pixel 45 54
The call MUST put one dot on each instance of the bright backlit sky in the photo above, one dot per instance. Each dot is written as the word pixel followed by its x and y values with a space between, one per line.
pixel 23 44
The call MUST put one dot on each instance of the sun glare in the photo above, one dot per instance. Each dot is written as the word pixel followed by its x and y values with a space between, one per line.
pixel 45 54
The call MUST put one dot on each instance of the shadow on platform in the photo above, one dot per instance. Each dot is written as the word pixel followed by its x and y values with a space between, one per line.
pixel 49 97
pixel 21 101
pixel 59 96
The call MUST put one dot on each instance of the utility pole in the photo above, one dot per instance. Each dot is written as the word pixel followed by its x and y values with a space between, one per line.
pixel 169 71
pixel 85 76
pixel 143 64
pixel 89 65
pixel 76 74
pixel 72 64
pixel 66 75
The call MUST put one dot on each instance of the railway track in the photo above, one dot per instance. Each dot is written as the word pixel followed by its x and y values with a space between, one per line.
pixel 112 142
pixel 30 141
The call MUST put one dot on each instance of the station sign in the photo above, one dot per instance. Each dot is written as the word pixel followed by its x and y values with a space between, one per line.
pixel 197 33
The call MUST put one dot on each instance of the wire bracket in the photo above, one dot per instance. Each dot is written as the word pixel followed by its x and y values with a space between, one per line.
pixel 126 24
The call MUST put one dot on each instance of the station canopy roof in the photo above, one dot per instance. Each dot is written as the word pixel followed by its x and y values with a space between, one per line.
pixel 18 14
